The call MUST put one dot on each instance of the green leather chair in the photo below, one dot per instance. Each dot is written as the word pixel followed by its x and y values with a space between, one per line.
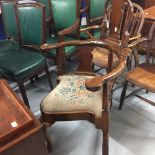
pixel 95 11
pixel 17 64
pixel 34 33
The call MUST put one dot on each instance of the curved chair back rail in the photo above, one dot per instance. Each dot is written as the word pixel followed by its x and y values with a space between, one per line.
pixel 122 54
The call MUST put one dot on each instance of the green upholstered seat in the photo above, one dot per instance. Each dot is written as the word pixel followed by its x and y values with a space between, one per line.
pixel 5 45
pixel 20 63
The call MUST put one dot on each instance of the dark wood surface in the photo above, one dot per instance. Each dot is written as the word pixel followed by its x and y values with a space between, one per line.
pixel 24 135
pixel 150 13
pixel 13 117
pixel 145 3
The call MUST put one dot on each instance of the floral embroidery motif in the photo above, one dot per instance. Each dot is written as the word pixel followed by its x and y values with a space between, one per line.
pixel 73 90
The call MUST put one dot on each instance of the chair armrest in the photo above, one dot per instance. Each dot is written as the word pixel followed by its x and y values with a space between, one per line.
pixel 69 29
pixel 95 84
pixel 94 27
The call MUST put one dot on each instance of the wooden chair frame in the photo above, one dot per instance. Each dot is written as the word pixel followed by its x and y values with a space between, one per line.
pixel 148 56
pixel 93 84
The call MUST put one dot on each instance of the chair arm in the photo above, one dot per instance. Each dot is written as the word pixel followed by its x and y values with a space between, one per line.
pixel 138 41
pixel 94 27
pixel 95 84
pixel 136 37
pixel 69 29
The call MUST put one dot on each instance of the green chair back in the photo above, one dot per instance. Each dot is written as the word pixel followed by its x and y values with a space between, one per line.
pixel 65 13
pixel 9 18
pixel 47 5
pixel 97 8
pixel 31 23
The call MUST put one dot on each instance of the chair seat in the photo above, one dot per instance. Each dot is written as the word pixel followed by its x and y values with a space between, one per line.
pixel 71 95
pixel 143 75
pixel 100 57
pixel 68 50
pixel 20 63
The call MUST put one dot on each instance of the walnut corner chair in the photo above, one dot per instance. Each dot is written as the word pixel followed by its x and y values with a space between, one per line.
pixel 82 95
pixel 17 64
pixel 122 29
pixel 142 75
pixel 64 29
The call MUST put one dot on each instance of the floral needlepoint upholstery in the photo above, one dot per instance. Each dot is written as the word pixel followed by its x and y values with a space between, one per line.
pixel 71 95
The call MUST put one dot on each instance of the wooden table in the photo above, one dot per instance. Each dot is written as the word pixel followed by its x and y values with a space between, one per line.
pixel 20 132
pixel 150 13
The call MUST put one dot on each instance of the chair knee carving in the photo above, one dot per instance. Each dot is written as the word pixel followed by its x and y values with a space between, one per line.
pixel 83 95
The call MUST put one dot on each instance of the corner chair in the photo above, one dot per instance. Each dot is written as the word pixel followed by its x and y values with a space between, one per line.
pixel 82 95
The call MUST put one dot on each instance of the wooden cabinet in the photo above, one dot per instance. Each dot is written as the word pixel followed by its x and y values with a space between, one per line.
pixel 20 132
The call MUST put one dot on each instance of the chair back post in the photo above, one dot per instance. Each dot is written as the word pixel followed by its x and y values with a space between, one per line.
pixel 120 16
pixel 31 21
pixel 9 18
